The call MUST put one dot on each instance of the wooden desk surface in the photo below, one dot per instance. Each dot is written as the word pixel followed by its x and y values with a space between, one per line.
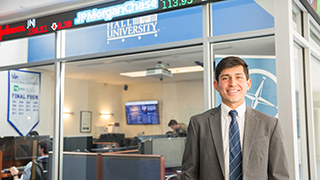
pixel 6 175
pixel 106 143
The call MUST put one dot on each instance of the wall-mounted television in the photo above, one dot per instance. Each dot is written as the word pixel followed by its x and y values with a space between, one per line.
pixel 142 112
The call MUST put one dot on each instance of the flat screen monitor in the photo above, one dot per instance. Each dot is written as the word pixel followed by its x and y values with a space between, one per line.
pixel 143 138
pixel 77 143
pixel 171 148
pixel 24 146
pixel 142 112
pixel 6 146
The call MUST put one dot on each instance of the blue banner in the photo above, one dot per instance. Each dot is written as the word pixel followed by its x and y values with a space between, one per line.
pixel 23 100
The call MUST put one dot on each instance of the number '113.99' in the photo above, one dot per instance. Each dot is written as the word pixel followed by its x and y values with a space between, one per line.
pixel 175 3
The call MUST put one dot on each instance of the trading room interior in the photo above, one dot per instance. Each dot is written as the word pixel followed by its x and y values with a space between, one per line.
pixel 100 89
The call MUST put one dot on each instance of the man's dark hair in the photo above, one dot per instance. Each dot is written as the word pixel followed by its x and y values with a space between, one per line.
pixel 172 122
pixel 46 145
pixel 33 133
pixel 230 62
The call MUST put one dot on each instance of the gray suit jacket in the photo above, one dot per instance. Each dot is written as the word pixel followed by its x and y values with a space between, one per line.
pixel 263 150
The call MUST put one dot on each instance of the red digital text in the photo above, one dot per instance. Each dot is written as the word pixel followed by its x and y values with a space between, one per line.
pixel 11 30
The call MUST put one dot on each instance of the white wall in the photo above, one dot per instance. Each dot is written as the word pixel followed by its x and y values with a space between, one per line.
pixel 75 100
pixel 82 95
pixel 14 52
pixel 178 101
pixel 106 98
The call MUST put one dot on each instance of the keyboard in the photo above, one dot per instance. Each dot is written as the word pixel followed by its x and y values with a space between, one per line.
pixel 7 170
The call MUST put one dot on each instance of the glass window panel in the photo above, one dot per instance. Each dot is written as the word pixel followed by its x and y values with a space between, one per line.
pixel 27 111
pixel 41 47
pixel 301 114
pixel 118 103
pixel 314 35
pixel 236 16
pixel 136 32
pixel 297 18
pixel 315 65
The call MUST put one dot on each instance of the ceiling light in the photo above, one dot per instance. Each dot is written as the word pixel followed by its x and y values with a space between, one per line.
pixel 186 69
pixel 173 71
pixel 134 74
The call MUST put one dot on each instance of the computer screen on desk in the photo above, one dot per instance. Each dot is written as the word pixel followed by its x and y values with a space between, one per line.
pixel 171 148
pixel 112 137
pixel 143 138
pixel 77 143
pixel 6 146
pixel 24 146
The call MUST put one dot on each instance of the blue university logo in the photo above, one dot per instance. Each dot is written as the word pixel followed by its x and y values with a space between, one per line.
pixel 14 76
pixel 263 92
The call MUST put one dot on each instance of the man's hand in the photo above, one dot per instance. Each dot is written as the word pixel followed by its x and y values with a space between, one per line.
pixel 14 171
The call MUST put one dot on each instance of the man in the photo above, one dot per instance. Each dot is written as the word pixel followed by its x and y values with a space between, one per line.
pixel 33 133
pixel 245 144
pixel 180 128
pixel 43 147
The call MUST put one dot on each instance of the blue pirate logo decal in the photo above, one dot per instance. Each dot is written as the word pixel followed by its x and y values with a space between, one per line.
pixel 263 92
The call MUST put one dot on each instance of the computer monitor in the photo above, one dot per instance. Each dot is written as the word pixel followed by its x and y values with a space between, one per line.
pixel 171 148
pixel 24 146
pixel 112 137
pixel 6 146
pixel 143 138
pixel 77 143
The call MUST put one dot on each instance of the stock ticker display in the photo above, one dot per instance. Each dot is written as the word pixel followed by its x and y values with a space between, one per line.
pixel 93 15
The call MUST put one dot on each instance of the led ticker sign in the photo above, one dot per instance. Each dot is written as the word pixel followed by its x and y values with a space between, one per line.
pixel 168 4
pixel 313 8
pixel 107 12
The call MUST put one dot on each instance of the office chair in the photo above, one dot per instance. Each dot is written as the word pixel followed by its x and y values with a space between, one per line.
pixel 39 171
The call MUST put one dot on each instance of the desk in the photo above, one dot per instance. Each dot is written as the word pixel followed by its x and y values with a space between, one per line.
pixel 5 175
pixel 96 166
pixel 170 172
pixel 104 145
pixel 8 175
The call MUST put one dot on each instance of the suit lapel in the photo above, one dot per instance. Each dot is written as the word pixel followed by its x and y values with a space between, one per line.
pixel 215 127
pixel 251 124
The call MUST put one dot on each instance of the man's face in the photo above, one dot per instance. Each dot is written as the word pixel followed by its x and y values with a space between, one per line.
pixel 232 86
pixel 175 126
pixel 40 150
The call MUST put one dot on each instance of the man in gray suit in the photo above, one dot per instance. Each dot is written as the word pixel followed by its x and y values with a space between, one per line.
pixel 234 141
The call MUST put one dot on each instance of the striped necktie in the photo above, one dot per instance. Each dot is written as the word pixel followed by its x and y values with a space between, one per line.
pixel 235 148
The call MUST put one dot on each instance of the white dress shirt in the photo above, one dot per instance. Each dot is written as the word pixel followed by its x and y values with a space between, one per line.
pixel 225 123
pixel 26 175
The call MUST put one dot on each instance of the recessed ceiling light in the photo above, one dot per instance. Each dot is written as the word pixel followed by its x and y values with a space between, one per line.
pixel 187 69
